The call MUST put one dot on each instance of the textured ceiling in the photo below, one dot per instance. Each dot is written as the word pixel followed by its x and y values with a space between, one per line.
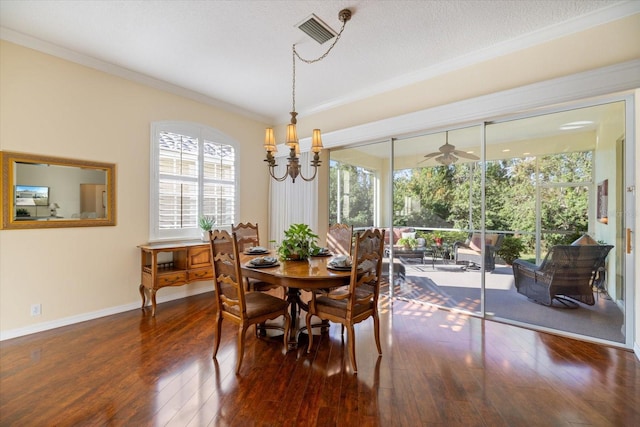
pixel 239 52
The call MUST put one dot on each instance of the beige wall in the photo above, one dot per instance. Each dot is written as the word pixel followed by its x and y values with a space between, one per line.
pixel 55 107
pixel 636 237
pixel 51 106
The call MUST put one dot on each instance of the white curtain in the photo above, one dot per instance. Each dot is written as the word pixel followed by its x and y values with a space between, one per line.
pixel 292 203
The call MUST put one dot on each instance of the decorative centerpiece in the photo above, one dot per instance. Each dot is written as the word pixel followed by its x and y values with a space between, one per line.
pixel 206 223
pixel 299 243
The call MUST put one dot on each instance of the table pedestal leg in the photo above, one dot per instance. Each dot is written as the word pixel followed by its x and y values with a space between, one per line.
pixel 293 297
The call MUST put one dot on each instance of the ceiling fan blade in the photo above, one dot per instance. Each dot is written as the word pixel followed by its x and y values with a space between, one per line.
pixel 465 155
pixel 428 156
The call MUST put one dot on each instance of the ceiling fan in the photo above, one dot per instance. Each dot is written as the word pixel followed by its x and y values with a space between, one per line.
pixel 448 154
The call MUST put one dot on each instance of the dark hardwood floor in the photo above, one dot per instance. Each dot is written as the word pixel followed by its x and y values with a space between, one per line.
pixel 438 368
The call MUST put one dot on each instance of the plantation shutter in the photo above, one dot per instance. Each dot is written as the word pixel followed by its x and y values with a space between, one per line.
pixel 178 182
pixel 193 174
pixel 219 182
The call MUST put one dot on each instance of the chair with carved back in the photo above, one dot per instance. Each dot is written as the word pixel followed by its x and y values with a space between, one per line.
pixel 359 300
pixel 339 239
pixel 247 236
pixel 233 303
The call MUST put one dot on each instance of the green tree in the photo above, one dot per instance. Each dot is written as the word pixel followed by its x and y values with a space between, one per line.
pixel 441 196
pixel 353 188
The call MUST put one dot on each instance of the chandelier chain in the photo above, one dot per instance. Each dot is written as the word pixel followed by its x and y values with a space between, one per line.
pixel 293 90
pixel 311 61
pixel 324 55
pixel 293 161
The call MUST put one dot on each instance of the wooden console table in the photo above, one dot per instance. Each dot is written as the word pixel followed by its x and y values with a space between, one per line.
pixel 185 262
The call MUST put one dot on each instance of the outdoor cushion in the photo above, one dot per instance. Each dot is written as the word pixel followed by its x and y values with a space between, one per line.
pixel 470 253
pixel 585 239
pixel 476 238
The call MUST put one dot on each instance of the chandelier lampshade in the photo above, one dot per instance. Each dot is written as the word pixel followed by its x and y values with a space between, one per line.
pixel 270 141
pixel 316 141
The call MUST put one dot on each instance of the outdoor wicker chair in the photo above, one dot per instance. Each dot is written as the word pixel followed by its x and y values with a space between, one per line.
pixel 470 252
pixel 566 275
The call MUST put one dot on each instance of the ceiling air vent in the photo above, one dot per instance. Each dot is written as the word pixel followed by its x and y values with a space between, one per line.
pixel 316 29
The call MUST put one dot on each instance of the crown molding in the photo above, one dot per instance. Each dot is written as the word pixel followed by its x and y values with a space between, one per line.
pixel 603 16
pixel 589 84
pixel 115 70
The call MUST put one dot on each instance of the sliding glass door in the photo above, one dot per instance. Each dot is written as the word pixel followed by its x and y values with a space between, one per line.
pixel 437 208
pixel 564 191
pixel 463 206
pixel 360 194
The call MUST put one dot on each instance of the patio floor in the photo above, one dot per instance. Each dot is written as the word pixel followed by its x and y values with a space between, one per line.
pixel 453 287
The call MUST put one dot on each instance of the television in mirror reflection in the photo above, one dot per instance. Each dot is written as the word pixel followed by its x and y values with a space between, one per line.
pixel 32 195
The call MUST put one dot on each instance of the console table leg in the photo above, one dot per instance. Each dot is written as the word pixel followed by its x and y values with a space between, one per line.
pixel 143 295
pixel 153 302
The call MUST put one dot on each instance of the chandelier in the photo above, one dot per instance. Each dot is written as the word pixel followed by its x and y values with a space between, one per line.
pixel 293 161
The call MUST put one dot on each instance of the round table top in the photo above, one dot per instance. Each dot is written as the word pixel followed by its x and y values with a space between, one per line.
pixel 309 274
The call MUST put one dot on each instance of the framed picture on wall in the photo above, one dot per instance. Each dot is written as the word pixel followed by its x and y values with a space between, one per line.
pixel 602 200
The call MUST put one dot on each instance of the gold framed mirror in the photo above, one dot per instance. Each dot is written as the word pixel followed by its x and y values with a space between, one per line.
pixel 53 192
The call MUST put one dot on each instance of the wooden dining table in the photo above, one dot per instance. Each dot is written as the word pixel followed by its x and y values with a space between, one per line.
pixel 295 276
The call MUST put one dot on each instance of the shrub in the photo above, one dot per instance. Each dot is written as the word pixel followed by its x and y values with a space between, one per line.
pixel 511 249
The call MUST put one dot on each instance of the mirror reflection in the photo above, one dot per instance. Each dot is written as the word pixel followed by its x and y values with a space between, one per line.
pixel 55 192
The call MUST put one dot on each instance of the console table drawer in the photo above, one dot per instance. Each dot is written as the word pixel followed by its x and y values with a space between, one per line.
pixel 169 279
pixel 200 274
pixel 199 257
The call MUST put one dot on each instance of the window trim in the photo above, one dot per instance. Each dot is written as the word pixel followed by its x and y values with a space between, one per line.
pixel 202 132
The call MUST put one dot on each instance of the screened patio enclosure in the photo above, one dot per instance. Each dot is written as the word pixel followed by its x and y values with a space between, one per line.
pixel 540 180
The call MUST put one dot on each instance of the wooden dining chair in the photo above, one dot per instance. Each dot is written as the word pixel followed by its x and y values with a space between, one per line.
pixel 357 302
pixel 339 239
pixel 247 236
pixel 233 303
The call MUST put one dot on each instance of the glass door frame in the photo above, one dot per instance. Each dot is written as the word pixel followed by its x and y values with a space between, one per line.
pixel 629 194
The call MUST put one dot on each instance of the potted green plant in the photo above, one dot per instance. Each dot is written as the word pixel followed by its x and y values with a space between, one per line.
pixel 421 238
pixel 299 243
pixel 206 223
pixel 409 243
pixel 438 237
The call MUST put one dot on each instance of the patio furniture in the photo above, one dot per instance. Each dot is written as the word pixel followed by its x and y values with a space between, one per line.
pixel 391 238
pixel 470 252
pixel 416 255
pixel 567 274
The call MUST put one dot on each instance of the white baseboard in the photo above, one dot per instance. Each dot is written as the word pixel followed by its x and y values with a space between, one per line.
pixel 184 292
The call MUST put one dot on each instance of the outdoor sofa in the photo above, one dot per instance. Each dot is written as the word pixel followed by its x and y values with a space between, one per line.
pixel 567 274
